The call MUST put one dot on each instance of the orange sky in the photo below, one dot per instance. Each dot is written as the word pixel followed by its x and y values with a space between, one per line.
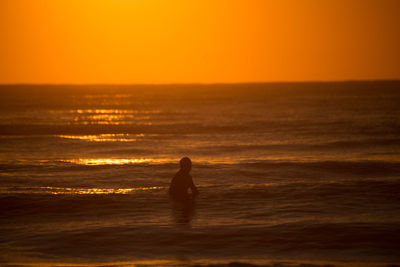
pixel 205 41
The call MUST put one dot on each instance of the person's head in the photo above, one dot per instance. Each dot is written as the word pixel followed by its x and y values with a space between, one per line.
pixel 186 164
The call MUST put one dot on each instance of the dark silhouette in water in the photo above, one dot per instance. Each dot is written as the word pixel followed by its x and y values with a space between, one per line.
pixel 182 181
pixel 183 203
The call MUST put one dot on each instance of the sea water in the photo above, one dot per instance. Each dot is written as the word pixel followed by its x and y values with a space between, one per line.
pixel 293 172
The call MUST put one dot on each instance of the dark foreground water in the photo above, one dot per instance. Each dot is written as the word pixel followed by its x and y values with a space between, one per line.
pixel 287 173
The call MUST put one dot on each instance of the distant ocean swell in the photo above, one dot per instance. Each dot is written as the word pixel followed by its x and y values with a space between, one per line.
pixel 186 128
pixel 330 168
pixel 345 191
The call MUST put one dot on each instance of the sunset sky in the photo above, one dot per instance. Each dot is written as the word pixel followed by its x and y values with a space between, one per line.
pixel 204 41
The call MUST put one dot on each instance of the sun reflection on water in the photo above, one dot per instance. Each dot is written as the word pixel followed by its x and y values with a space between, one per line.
pixel 74 191
pixel 114 111
pixel 98 191
pixel 102 137
pixel 107 161
pixel 111 116
pixel 101 111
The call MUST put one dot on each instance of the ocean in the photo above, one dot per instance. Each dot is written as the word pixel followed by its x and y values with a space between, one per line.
pixel 289 174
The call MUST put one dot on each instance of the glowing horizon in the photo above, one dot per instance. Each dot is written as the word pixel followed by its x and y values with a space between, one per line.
pixel 164 42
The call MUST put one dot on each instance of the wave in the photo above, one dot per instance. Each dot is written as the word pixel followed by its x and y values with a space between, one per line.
pixel 354 195
pixel 245 262
pixel 328 220
pixel 349 144
pixel 173 126
pixel 50 190
pixel 345 241
pixel 315 170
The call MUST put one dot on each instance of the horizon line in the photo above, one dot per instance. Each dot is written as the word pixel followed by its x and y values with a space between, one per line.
pixel 210 83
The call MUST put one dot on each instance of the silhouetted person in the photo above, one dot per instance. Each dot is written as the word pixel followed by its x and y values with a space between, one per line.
pixel 182 181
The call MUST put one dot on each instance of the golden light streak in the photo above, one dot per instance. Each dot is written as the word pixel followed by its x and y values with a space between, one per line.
pixel 114 111
pixel 101 137
pixel 101 111
pixel 75 191
pixel 107 161
pixel 112 116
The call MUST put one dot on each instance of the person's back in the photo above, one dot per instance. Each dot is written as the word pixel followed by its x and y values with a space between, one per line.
pixel 182 181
